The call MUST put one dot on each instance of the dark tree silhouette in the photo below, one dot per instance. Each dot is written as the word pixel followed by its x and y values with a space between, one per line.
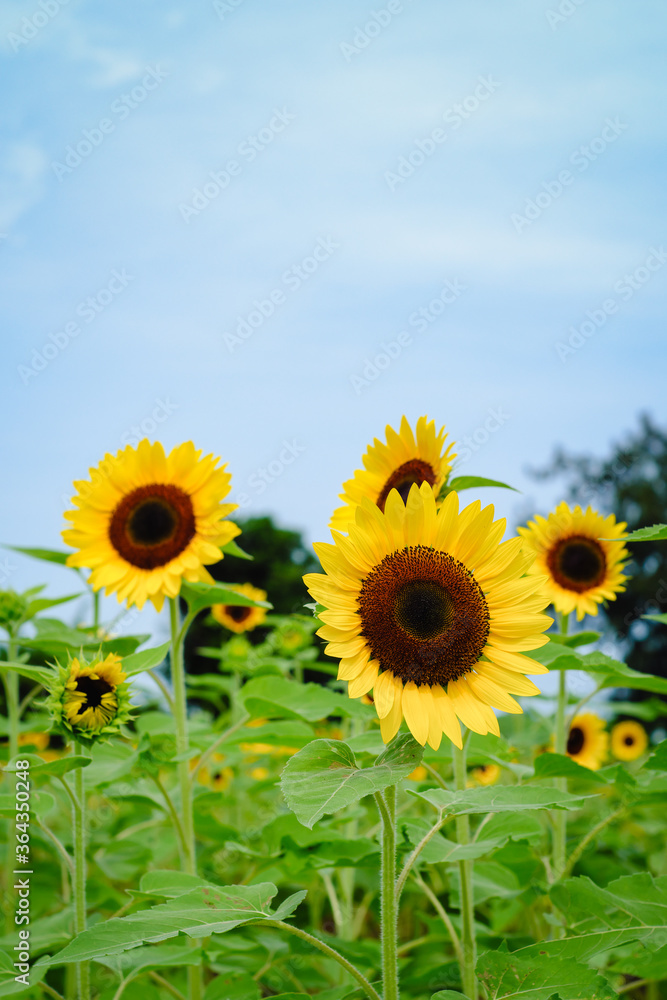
pixel 280 558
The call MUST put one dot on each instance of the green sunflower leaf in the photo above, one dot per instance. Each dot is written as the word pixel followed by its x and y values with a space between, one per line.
pixel 205 595
pixel 658 760
pixel 42 674
pixel 311 702
pixel 207 909
pixel 656 618
pixel 234 987
pixel 607 671
pixel 324 777
pixel 500 798
pixel 46 555
pixel 147 659
pixel 472 482
pixel 44 603
pixel 509 977
pixel 232 549
pixel 574 639
pixel 555 765
pixel 56 768
pixel 656 533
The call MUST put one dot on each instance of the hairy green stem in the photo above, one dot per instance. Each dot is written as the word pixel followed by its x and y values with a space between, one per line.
pixel 11 679
pixel 330 952
pixel 591 835
pixel 468 943
pixel 442 913
pixel 559 849
pixel 80 908
pixel 412 857
pixel 386 804
pixel 180 708
pixel 208 753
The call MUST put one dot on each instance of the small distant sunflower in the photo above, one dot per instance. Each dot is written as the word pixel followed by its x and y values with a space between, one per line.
pixel 428 608
pixel 587 741
pixel 89 700
pixel 241 617
pixel 405 459
pixel 582 569
pixel 146 520
pixel 485 774
pixel 629 740
pixel 214 774
pixel 39 741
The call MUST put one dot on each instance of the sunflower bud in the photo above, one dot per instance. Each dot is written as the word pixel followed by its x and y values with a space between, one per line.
pixel 90 700
pixel 13 607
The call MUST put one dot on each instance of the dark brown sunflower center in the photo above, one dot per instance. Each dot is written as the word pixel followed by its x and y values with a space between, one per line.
pixel 405 476
pixel 238 612
pixel 152 525
pixel 577 563
pixel 424 616
pixel 93 690
pixel 629 741
pixel 575 740
pixel 423 609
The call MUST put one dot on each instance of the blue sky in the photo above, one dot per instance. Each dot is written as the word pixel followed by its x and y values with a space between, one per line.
pixel 512 151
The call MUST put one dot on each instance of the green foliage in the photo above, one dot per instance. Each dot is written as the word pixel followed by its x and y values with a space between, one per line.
pixel 324 776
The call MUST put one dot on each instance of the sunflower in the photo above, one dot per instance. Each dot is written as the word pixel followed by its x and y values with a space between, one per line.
pixel 582 568
pixel 215 774
pixel 405 459
pixel 428 608
pixel 146 520
pixel 629 740
pixel 239 617
pixel 90 699
pixel 587 741
pixel 485 774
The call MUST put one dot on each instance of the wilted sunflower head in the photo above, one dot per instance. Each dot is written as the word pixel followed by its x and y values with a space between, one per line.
pixel 241 617
pixel 89 700
pixel 432 611
pixel 406 459
pixel 571 549
pixel 629 740
pixel 485 774
pixel 587 741
pixel 145 521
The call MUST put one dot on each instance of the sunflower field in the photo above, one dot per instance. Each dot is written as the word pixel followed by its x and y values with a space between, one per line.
pixel 369 798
